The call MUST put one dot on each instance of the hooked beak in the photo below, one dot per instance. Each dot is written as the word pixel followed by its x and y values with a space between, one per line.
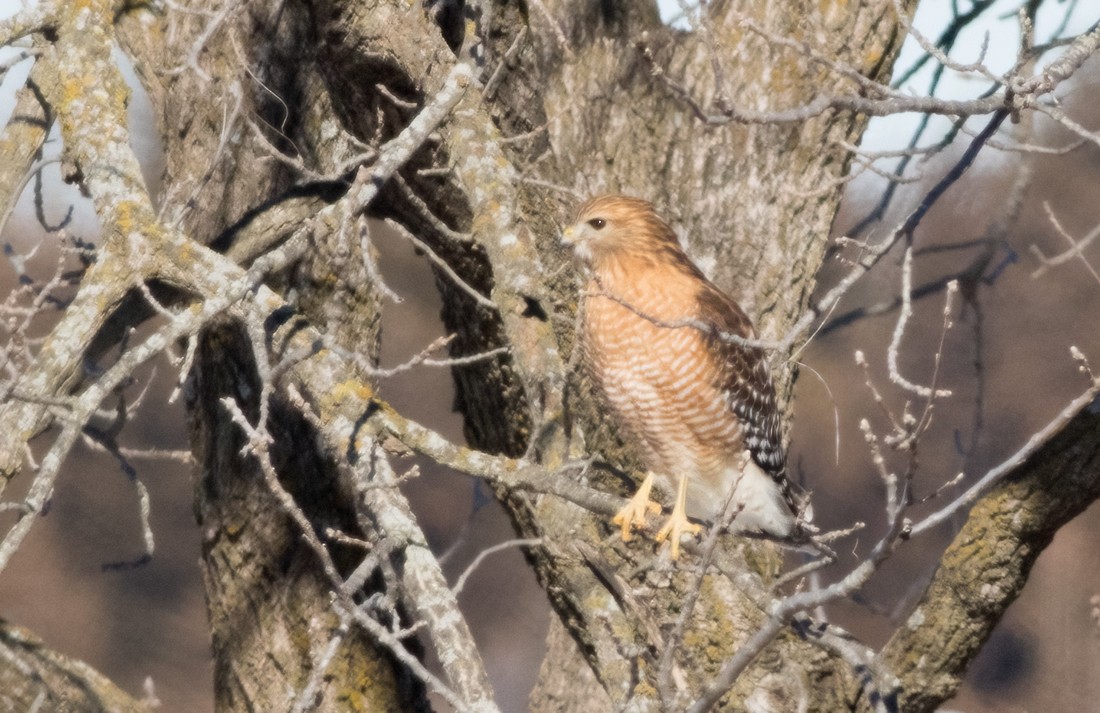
pixel 573 236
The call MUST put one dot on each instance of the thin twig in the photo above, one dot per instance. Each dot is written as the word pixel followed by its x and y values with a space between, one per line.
pixel 994 475
pixel 460 583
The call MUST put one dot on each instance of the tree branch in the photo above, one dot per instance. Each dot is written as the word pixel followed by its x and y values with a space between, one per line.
pixel 988 562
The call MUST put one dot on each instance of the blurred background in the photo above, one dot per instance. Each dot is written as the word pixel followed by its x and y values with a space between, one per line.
pixel 1006 359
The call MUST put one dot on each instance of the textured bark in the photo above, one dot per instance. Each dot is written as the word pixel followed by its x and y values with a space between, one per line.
pixel 566 682
pixel 23 137
pixel 32 677
pixel 986 566
pixel 268 599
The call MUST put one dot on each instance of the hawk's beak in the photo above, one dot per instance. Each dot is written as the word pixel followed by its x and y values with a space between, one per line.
pixel 567 235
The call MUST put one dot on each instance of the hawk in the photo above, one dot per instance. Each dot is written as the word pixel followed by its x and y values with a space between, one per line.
pixel 667 352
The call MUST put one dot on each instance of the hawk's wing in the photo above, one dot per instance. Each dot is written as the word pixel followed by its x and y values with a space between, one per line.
pixel 747 386
pixel 744 379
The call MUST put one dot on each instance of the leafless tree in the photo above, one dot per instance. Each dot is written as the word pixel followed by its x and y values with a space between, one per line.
pixel 290 129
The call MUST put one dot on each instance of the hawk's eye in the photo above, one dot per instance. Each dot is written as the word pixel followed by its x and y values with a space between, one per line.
pixel 597 223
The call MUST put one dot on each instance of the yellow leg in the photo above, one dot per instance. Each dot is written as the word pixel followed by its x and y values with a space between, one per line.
pixel 678 524
pixel 633 514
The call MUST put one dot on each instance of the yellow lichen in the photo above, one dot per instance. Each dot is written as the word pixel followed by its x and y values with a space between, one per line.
pixel 351 388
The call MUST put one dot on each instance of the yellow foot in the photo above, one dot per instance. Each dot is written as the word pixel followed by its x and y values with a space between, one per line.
pixel 634 513
pixel 674 528
pixel 678 524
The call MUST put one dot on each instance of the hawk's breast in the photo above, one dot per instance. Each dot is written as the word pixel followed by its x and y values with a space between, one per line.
pixel 661 380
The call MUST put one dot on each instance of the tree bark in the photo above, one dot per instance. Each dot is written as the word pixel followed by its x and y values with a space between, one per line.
pixel 32 677
pixel 987 564
pixel 268 598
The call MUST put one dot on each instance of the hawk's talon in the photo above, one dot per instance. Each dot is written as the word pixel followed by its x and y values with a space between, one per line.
pixel 674 529
pixel 634 512
pixel 678 523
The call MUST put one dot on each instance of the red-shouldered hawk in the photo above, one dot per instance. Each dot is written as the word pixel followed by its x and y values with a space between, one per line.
pixel 701 408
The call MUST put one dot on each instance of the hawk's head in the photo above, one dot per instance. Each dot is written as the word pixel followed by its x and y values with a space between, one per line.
pixel 606 225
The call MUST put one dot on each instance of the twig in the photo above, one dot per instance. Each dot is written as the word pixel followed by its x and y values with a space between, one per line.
pixel 485 553
pixel 426 213
pixel 442 265
pixel 1076 247
pixel 899 332
pixel 307 697
pixel 366 247
pixel 992 476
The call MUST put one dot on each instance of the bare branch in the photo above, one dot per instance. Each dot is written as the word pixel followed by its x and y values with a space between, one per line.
pixel 485 554
pixel 899 332
pixel 442 265
pixel 1037 441
pixel 1076 247
pixel 31 20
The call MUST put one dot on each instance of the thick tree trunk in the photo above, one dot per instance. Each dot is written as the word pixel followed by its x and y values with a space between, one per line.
pixel 269 600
